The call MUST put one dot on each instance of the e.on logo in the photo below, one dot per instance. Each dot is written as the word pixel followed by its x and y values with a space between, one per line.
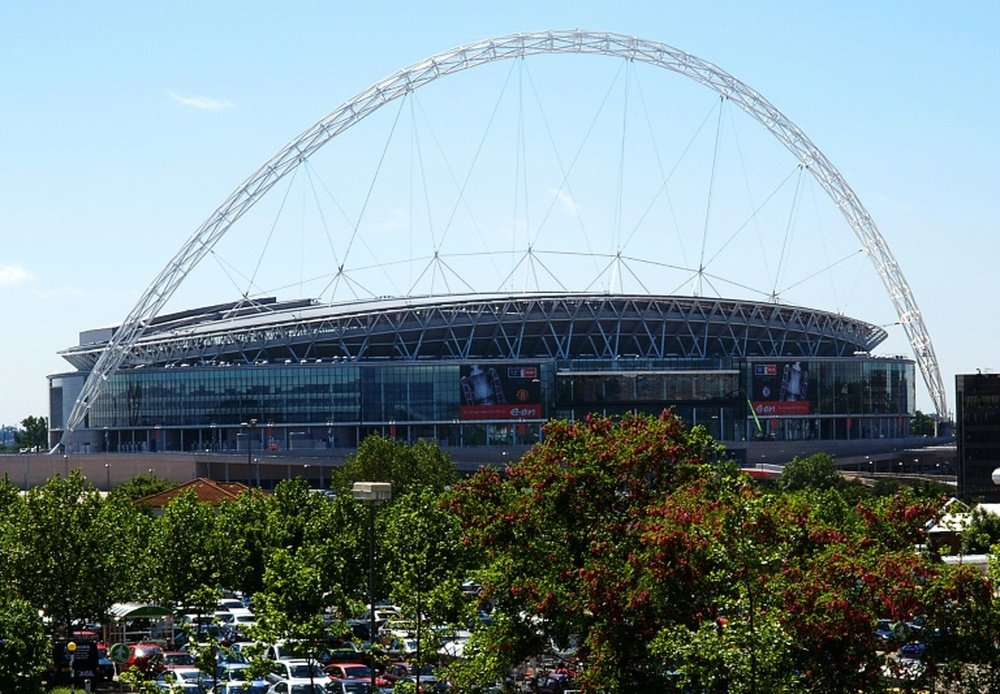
pixel 524 412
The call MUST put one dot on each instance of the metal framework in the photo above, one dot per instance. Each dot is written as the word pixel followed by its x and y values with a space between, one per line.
pixel 544 326
pixel 481 53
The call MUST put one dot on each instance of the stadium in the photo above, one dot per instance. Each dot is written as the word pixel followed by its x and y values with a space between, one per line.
pixel 480 371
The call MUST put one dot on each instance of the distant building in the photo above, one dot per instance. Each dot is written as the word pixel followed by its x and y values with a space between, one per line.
pixel 977 416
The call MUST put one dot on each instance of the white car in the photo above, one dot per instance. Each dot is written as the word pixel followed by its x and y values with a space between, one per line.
pixel 298 685
pixel 184 681
pixel 296 669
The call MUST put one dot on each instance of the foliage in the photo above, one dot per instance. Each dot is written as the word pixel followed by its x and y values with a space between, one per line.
pixel 35 434
pixel 922 424
pixel 676 572
pixel 311 546
pixel 982 532
pixel 58 549
pixel 407 467
pixel 190 551
pixel 559 537
pixel 142 486
pixel 817 471
pixel 24 650
pixel 425 563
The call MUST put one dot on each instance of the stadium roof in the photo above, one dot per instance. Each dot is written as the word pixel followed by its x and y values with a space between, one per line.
pixel 530 326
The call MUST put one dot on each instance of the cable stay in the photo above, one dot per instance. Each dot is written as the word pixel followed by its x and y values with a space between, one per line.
pixel 788 230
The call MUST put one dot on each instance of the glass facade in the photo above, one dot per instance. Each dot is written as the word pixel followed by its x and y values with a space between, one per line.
pixel 977 412
pixel 332 405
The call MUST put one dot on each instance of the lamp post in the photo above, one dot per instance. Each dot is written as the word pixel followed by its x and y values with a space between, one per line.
pixel 250 426
pixel 107 477
pixel 65 465
pixel 372 495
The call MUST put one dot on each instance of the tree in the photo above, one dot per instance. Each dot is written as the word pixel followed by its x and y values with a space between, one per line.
pixel 675 572
pixel 982 532
pixel 141 486
pixel 24 650
pixel 558 537
pixel 817 471
pixel 406 466
pixel 426 563
pixel 35 433
pixel 189 551
pixel 59 550
pixel 922 424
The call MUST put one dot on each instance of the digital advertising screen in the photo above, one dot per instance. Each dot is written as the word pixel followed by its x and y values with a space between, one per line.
pixel 780 388
pixel 500 391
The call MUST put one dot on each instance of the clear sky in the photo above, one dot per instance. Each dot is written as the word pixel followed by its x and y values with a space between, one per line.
pixel 123 125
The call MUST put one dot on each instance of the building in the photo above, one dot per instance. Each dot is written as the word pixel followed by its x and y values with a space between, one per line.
pixel 483 372
pixel 977 418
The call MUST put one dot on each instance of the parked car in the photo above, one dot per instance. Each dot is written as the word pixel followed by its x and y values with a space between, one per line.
pixel 348 687
pixel 298 686
pixel 147 658
pixel 184 681
pixel 348 671
pixel 177 659
pixel 296 669
pixel 233 679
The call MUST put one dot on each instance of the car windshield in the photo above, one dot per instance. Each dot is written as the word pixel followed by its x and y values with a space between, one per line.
pixel 236 674
pixel 307 689
pixel 357 671
pixel 304 671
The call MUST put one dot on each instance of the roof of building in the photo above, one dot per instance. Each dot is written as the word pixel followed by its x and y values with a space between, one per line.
pixel 531 326
pixel 206 491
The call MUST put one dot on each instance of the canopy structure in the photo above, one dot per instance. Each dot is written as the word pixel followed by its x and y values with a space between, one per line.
pixel 138 610
pixel 125 627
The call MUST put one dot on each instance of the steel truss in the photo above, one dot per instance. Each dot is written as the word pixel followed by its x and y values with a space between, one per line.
pixel 481 53
pixel 509 327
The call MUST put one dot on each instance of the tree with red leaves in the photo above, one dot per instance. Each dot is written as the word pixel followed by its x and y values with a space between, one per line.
pixel 634 538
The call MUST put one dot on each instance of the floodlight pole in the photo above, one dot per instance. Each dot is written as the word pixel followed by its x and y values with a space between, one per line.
pixel 372 494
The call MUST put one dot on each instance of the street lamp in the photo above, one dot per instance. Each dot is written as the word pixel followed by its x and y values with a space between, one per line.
pixel 65 465
pixel 372 495
pixel 107 477
pixel 250 426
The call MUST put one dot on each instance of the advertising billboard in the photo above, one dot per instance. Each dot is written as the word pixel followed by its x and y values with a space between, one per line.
pixel 780 388
pixel 500 391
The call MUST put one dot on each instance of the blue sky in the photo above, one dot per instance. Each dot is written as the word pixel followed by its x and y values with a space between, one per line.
pixel 125 124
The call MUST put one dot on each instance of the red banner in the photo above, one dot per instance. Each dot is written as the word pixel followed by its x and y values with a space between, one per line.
pixel 767 408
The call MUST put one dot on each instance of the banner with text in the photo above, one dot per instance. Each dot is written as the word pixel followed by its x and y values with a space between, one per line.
pixel 500 391
pixel 781 388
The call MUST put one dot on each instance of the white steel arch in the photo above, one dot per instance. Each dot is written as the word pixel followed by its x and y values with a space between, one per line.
pixel 481 53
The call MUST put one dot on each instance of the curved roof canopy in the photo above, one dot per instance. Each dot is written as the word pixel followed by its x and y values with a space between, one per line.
pixel 491 326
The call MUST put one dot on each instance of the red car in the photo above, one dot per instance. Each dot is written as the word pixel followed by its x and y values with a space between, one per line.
pixel 145 657
pixel 348 671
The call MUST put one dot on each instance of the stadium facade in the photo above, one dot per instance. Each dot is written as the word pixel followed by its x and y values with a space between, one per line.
pixel 482 370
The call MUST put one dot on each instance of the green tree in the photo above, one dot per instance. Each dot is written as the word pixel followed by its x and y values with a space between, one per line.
pixel 817 471
pixel 141 486
pixel 34 434
pixel 24 650
pixel 982 532
pixel 60 550
pixel 922 424
pixel 406 466
pixel 426 563
pixel 189 550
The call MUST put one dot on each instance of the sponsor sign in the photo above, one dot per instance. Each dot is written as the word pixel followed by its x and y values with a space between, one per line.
pixel 500 391
pixel 781 388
